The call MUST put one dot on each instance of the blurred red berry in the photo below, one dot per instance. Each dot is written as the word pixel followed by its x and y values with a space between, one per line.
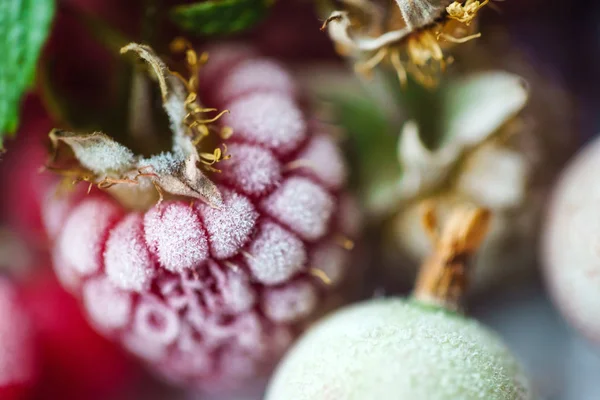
pixel 18 362
pixel 77 363
pixel 22 183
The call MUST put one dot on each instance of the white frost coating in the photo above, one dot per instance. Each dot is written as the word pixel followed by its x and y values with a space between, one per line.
pixel 275 255
pixel 126 258
pixel 571 242
pixel 174 233
pixel 163 163
pixel 252 169
pixel 332 259
pixel 80 241
pixel 108 307
pixel 303 205
pixel 390 350
pixel 104 157
pixel 325 161
pixel 270 119
pixel 155 323
pixel 290 303
pixel 255 75
pixel 220 57
pixel 16 355
pixel 228 227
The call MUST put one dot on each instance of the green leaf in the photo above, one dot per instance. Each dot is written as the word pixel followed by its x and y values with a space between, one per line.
pixel 220 17
pixel 374 149
pixel 24 26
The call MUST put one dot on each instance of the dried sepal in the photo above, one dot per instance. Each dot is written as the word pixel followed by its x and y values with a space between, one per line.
pixel 98 159
pixel 474 112
pixel 423 169
pixel 411 40
pixel 188 180
pixel 465 13
pixel 96 152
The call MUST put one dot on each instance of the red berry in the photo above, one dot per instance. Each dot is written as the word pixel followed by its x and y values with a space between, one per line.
pixel 77 362
pixel 212 297
pixel 17 355
pixel 21 182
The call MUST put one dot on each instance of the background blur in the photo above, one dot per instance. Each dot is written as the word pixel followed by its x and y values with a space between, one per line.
pixel 563 37
pixel 560 37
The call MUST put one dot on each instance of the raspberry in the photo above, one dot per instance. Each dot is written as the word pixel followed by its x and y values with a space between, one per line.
pixel 209 296
pixel 17 355
pixel 62 337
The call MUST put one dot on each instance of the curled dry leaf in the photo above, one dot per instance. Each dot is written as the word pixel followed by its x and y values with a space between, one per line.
pixel 102 161
pixel 475 111
pixel 477 160
pixel 410 35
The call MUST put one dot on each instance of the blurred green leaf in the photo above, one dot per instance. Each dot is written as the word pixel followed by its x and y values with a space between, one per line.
pixel 373 154
pixel 24 26
pixel 220 17
pixel 476 106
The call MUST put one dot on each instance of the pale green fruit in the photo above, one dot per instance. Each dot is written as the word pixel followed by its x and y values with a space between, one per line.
pixel 395 349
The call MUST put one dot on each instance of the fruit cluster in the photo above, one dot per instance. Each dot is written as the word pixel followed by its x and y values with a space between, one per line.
pixel 210 261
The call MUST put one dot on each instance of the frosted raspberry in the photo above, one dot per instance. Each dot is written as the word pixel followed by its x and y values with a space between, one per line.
pixel 302 205
pixel 230 226
pixel 109 307
pixel 255 76
pixel 291 302
pixel 275 255
pixel 17 357
pixel 323 160
pixel 254 170
pixel 211 296
pixel 84 234
pixel 273 120
pixel 127 260
pixel 222 58
pixel 175 234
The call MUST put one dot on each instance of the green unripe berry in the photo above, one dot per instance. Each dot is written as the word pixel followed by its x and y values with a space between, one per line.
pixel 395 349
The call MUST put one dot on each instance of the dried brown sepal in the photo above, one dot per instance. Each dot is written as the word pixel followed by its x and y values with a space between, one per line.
pixel 411 40
pixel 444 276
pixel 98 159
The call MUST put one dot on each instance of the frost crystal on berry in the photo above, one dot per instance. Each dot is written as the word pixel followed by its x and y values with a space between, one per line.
pixel 211 293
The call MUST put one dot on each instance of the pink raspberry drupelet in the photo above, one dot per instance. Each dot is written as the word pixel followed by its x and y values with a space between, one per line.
pixel 212 297
pixel 18 361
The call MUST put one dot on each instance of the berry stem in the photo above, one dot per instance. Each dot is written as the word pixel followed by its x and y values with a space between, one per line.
pixel 444 276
